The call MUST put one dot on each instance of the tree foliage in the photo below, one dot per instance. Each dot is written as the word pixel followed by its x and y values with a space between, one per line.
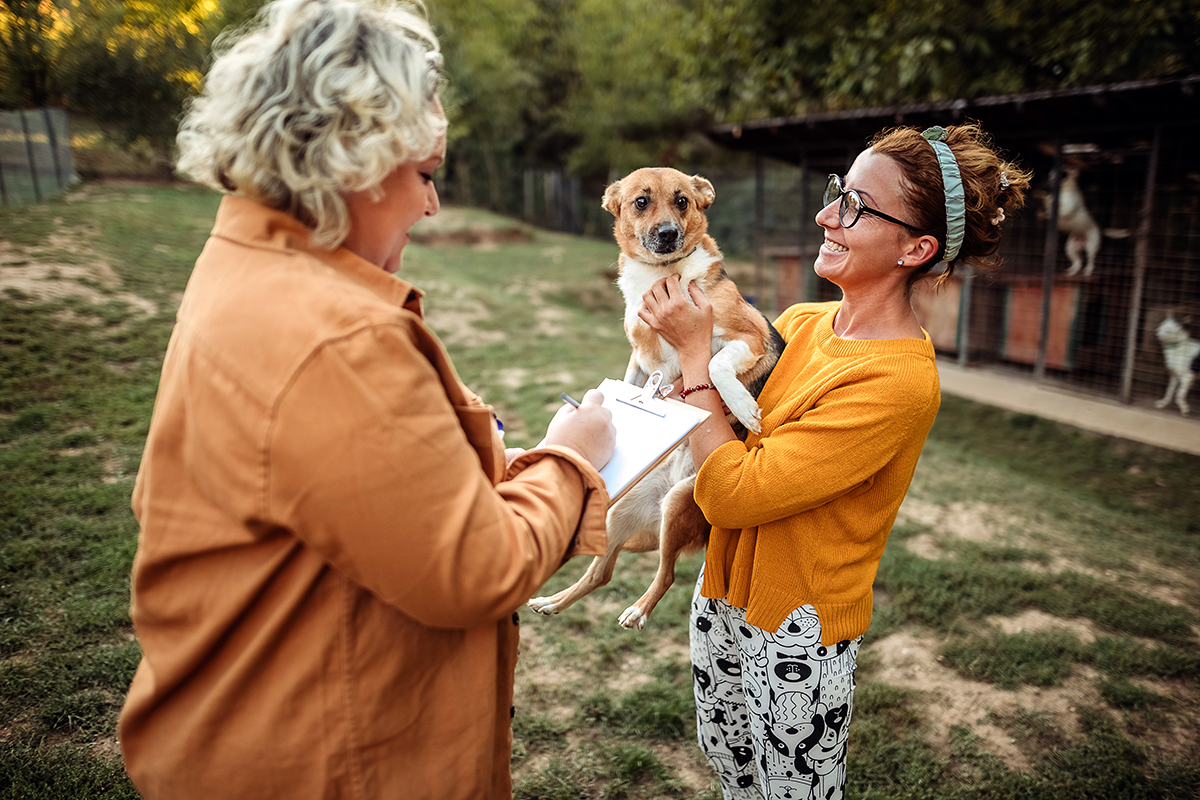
pixel 133 64
pixel 30 31
pixel 752 58
pixel 597 86
pixel 130 64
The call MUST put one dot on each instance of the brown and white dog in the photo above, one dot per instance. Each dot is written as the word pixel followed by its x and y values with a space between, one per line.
pixel 662 230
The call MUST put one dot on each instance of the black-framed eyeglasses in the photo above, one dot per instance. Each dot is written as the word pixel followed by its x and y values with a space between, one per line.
pixel 852 207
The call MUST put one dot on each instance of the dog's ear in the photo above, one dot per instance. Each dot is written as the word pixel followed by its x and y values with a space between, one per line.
pixel 705 194
pixel 612 199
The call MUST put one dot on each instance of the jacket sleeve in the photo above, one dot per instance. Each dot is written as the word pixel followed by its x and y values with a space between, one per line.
pixel 831 449
pixel 371 465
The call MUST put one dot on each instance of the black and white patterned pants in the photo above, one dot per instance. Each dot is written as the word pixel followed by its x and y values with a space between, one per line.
pixel 772 708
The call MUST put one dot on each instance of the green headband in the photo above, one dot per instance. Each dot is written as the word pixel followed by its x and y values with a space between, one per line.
pixel 956 210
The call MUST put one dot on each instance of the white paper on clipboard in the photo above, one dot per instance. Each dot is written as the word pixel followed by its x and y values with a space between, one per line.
pixel 648 429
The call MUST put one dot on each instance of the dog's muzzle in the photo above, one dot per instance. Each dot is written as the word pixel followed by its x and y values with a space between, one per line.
pixel 663 239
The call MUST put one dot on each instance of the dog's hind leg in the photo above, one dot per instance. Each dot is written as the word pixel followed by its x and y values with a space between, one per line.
pixel 1172 384
pixel 598 574
pixel 684 529
pixel 1074 249
pixel 632 525
pixel 1185 384
pixel 1091 248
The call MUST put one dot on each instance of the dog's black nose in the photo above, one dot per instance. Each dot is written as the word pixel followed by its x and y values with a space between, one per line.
pixel 665 239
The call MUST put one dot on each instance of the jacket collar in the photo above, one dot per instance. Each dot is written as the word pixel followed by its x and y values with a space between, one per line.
pixel 252 224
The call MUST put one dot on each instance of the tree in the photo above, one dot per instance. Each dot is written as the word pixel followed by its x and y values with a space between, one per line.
pixel 624 114
pixel 550 84
pixel 133 64
pixel 30 34
pixel 752 58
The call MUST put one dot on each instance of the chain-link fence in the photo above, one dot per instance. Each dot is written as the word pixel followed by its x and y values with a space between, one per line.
pixel 35 155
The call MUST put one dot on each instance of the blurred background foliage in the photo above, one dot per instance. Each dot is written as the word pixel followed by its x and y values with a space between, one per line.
pixel 597 87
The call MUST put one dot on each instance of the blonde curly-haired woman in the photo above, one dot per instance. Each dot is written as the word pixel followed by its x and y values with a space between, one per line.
pixel 333 540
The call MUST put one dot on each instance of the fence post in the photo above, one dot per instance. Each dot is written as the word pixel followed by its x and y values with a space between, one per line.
pixel 1048 258
pixel 37 190
pixel 1141 252
pixel 759 223
pixel 550 194
pixel 53 141
pixel 963 337
pixel 803 290
pixel 527 187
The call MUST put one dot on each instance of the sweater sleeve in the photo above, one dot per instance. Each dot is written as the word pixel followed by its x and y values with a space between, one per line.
pixel 371 465
pixel 820 453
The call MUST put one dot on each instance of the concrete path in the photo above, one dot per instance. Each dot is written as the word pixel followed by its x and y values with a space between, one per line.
pixel 1167 428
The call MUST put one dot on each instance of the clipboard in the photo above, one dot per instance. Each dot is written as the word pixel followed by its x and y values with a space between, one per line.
pixel 649 427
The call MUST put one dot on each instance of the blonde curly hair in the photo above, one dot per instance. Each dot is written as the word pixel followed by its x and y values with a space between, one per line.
pixel 311 100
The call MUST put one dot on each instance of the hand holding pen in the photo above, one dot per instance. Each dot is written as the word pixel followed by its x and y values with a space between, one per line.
pixel 585 427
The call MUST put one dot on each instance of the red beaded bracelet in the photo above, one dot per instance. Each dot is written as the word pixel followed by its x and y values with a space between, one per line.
pixel 700 388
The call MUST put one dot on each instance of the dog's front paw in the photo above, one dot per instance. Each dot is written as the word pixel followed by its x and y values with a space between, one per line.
pixel 542 605
pixel 632 617
pixel 747 412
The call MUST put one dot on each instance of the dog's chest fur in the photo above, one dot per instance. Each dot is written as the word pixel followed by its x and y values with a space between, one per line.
pixel 1180 351
pixel 637 277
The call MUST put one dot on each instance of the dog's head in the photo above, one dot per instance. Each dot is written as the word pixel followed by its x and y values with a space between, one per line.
pixel 660 213
pixel 1170 332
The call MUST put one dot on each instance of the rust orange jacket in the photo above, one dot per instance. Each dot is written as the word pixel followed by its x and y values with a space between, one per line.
pixel 332 550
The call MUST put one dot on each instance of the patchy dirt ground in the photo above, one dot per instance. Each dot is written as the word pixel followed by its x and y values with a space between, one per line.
pixel 41 272
pixel 907 659
pixel 456 226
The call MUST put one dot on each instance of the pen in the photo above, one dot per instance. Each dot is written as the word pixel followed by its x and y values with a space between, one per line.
pixel 566 398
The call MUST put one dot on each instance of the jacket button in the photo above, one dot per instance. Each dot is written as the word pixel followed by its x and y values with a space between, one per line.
pixel 516 618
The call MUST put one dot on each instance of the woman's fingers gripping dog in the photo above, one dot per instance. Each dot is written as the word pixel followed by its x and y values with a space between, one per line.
pixel 684 320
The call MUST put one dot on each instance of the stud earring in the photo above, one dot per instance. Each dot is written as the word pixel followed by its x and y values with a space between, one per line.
pixel 900 263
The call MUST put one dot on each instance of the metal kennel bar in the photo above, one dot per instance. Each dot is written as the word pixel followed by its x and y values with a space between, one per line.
pixel 1140 258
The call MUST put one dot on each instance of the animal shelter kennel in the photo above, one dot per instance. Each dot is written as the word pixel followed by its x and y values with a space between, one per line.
pixel 1106 248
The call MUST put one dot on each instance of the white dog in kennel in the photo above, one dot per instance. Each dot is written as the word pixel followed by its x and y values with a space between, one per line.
pixel 1182 356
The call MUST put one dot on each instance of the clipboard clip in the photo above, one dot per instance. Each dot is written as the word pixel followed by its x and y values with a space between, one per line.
pixel 654 386
pixel 651 387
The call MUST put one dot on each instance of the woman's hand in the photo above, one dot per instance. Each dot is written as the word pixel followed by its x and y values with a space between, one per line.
pixel 687 325
pixel 588 429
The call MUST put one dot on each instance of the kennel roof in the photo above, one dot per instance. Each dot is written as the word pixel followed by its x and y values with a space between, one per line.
pixel 1036 116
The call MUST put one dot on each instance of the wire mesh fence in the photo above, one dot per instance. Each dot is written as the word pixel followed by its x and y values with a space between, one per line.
pixel 35 155
pixel 1088 279
pixel 1087 286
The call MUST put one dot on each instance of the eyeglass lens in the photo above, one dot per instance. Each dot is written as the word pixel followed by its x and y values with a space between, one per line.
pixel 851 207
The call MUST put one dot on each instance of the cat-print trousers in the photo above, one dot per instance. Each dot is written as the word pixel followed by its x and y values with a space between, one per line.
pixel 772 707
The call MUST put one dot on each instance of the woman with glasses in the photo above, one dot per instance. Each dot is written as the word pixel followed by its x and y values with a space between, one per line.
pixel 801 512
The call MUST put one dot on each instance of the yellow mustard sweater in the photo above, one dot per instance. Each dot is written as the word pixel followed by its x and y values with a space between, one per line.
pixel 802 511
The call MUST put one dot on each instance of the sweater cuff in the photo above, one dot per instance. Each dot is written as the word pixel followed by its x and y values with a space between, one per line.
pixel 591 533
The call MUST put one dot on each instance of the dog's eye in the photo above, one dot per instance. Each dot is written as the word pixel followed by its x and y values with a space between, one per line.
pixel 641 203
pixel 681 203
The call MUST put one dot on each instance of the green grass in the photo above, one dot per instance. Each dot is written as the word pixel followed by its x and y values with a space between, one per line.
pixel 940 594
pixel 1083 529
